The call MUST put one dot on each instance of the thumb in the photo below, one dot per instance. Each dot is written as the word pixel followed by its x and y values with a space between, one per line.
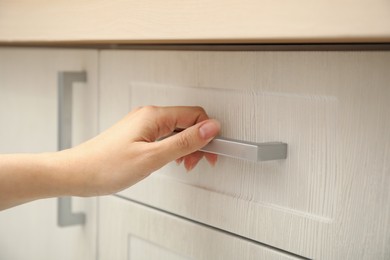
pixel 187 141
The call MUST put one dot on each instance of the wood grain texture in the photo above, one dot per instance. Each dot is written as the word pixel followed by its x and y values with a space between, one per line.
pixel 123 223
pixel 262 117
pixel 175 21
pixel 28 124
pixel 329 200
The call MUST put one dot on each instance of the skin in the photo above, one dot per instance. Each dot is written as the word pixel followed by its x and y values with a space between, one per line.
pixel 112 161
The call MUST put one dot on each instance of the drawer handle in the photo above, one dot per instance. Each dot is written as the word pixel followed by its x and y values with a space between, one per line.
pixel 65 88
pixel 256 152
pixel 247 150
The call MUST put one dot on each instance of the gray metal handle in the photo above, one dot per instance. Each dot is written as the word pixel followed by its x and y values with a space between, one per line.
pixel 65 89
pixel 247 150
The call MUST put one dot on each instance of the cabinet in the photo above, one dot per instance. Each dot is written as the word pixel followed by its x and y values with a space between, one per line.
pixel 28 123
pixel 329 199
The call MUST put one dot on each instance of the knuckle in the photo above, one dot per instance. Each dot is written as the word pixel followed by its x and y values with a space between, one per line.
pixel 183 142
pixel 200 109
pixel 149 109
pixel 202 115
pixel 138 108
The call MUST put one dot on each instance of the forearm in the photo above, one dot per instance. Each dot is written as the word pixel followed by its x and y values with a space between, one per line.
pixel 27 177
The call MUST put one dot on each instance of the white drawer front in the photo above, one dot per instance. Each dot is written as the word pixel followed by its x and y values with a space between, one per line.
pixel 330 107
pixel 139 248
pixel 260 117
pixel 134 232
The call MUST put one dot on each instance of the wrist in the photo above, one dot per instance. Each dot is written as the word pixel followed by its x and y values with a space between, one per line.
pixel 67 173
pixel 27 177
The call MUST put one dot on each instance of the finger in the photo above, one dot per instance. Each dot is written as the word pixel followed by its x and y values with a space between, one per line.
pixel 183 116
pixel 185 142
pixel 211 158
pixel 190 161
pixel 170 118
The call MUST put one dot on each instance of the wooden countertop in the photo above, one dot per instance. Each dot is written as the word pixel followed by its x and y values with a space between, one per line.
pixel 193 21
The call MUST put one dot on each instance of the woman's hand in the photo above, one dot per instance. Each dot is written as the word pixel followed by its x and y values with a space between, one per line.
pixel 127 152
pixel 112 161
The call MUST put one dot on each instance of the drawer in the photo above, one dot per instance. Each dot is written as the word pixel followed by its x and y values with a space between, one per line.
pixel 329 107
pixel 131 231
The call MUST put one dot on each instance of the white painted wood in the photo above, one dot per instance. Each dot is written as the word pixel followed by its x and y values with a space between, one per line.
pixel 329 200
pixel 194 21
pixel 28 120
pixel 142 249
pixel 123 223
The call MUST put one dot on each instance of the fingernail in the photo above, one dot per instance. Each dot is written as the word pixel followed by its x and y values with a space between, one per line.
pixel 209 129
pixel 213 162
pixel 189 168
pixel 190 164
pixel 179 161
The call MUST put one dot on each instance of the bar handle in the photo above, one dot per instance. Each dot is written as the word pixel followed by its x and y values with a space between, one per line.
pixel 250 151
pixel 65 91
pixel 247 150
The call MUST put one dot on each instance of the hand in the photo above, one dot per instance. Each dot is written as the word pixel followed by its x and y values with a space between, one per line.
pixel 112 161
pixel 127 152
